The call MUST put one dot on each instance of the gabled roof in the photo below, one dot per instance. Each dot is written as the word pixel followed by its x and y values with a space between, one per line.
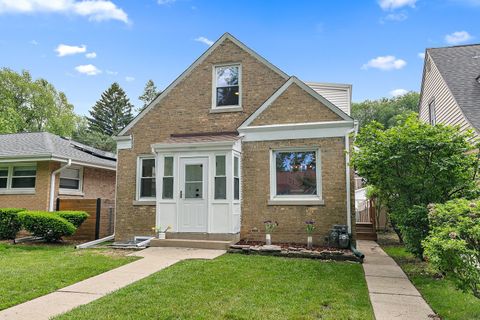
pixel 460 67
pixel 44 145
pixel 303 86
pixel 224 37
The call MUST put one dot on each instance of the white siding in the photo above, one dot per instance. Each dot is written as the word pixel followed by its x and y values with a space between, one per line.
pixel 446 109
pixel 338 94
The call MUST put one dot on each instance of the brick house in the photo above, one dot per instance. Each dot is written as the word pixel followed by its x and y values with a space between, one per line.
pixel 232 142
pixel 37 168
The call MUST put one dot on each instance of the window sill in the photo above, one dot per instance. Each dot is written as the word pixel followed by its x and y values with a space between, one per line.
pixel 144 202
pixel 71 193
pixel 226 109
pixel 13 191
pixel 296 202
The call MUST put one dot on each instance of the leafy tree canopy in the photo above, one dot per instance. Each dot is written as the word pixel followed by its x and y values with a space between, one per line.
pixel 150 92
pixel 112 112
pixel 385 111
pixel 28 105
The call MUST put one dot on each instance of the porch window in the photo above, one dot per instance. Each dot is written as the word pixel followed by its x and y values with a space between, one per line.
pixel 167 187
pixel 71 180
pixel 295 175
pixel 227 86
pixel 147 178
pixel 220 178
pixel 20 177
pixel 236 178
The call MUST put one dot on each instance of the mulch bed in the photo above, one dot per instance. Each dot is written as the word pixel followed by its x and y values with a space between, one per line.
pixel 291 250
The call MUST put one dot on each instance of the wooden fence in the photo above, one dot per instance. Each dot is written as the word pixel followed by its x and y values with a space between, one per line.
pixel 100 222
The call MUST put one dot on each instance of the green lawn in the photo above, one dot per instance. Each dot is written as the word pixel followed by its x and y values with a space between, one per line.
pixel 28 271
pixel 441 294
pixel 236 286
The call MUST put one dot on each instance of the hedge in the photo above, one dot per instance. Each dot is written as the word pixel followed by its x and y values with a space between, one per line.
pixel 47 225
pixel 10 224
pixel 74 217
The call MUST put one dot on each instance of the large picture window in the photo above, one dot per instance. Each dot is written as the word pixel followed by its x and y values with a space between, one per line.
pixel 227 86
pixel 71 180
pixel 295 175
pixel 146 179
pixel 17 177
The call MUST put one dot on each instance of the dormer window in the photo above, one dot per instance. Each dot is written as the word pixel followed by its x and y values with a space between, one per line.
pixel 227 90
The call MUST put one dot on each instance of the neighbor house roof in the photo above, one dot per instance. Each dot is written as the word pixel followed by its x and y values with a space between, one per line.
pixel 460 68
pixel 47 146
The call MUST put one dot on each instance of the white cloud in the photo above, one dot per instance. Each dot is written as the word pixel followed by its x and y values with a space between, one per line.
pixel 88 69
pixel 66 50
pixel 402 16
pixel 129 79
pixel 208 42
pixel 398 92
pixel 395 4
pixel 421 55
pixel 111 73
pixel 458 37
pixel 91 55
pixel 385 63
pixel 95 10
pixel 162 2
pixel 34 42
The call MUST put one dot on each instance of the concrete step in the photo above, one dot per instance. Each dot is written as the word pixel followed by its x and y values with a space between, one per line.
pixel 189 243
pixel 369 235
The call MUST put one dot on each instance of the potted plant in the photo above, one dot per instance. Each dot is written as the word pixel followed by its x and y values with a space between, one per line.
pixel 310 227
pixel 161 233
pixel 269 228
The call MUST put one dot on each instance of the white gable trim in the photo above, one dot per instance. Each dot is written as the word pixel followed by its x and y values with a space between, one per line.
pixel 303 86
pixel 182 76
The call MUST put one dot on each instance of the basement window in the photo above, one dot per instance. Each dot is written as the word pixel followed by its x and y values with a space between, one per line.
pixel 227 89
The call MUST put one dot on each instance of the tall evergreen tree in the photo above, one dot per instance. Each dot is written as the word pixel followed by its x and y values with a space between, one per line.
pixel 149 94
pixel 112 112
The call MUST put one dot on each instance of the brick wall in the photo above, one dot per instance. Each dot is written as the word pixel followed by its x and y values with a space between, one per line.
pixel 185 110
pixel 256 192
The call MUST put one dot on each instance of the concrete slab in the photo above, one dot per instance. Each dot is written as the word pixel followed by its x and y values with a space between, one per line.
pixel 391 293
pixel 83 292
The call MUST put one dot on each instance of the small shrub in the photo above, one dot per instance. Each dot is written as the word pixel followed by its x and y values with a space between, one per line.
pixel 47 225
pixel 10 224
pixel 74 217
pixel 414 228
pixel 453 245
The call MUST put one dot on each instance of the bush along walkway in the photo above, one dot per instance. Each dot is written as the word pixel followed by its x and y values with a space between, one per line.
pixel 63 300
pixel 392 294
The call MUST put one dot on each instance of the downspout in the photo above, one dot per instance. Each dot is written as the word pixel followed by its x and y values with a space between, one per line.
pixel 347 175
pixel 52 183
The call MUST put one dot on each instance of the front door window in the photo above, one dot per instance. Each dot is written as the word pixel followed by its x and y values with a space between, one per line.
pixel 193 181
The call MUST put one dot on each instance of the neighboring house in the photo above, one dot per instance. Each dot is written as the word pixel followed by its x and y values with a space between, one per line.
pixel 37 168
pixel 232 142
pixel 450 91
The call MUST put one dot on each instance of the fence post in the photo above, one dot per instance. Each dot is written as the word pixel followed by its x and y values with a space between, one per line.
pixel 97 220
pixel 58 204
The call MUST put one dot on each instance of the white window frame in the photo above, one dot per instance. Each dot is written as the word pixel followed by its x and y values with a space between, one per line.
pixel 80 182
pixel 236 156
pixel 9 189
pixel 432 116
pixel 162 171
pixel 229 108
pixel 139 178
pixel 295 199
pixel 225 175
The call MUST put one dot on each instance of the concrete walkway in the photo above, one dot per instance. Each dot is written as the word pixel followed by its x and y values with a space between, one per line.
pixel 63 300
pixel 392 294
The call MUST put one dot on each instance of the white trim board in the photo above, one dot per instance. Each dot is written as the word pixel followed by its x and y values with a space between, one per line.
pixel 282 89
pixel 182 76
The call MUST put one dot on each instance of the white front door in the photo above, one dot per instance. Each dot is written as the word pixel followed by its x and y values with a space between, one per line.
pixel 193 202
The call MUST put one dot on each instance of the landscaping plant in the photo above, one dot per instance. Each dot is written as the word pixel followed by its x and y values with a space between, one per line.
pixel 47 225
pixel 270 226
pixel 453 244
pixel 74 217
pixel 10 224
pixel 415 164
pixel 310 228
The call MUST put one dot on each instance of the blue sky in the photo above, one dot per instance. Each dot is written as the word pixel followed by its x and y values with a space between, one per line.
pixel 371 44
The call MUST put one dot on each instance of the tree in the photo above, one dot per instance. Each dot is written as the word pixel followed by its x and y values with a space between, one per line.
pixel 27 105
pixel 92 138
pixel 415 164
pixel 385 111
pixel 150 92
pixel 112 112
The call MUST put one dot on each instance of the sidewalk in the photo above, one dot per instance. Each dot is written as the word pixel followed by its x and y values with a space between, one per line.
pixel 392 294
pixel 63 300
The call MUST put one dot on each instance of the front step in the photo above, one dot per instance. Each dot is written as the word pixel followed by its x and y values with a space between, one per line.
pixel 189 243
pixel 369 235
